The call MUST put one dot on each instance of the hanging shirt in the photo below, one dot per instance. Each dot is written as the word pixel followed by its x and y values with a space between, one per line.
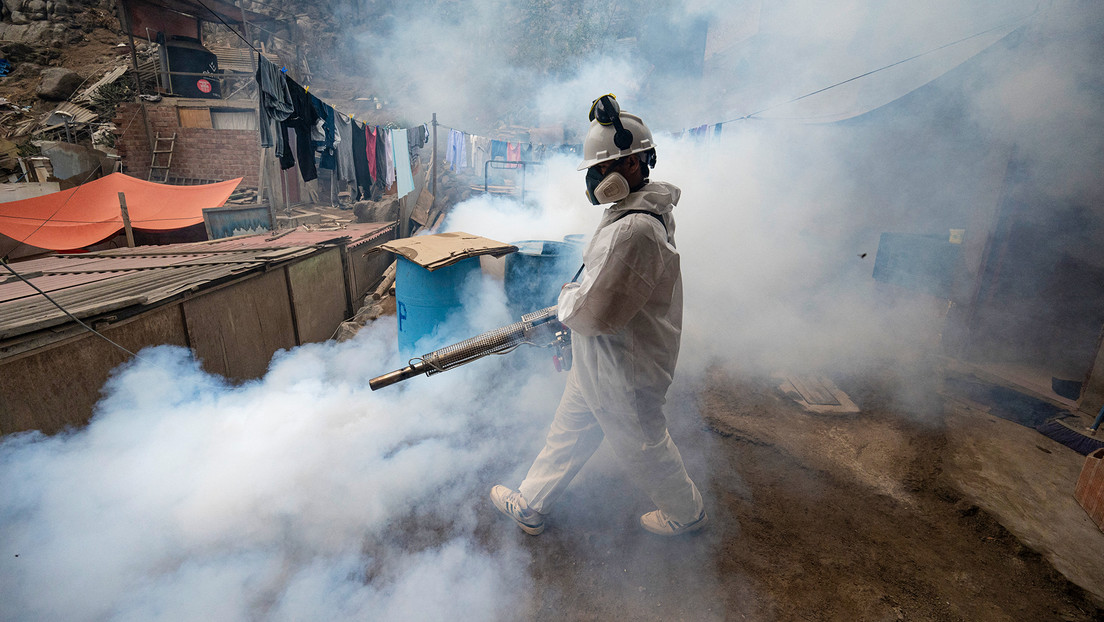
pixel 498 150
pixel 482 153
pixel 513 153
pixel 275 103
pixel 454 154
pixel 416 138
pixel 324 134
pixel 301 121
pixel 346 167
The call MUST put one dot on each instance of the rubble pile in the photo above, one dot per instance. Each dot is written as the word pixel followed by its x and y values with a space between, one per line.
pixel 243 196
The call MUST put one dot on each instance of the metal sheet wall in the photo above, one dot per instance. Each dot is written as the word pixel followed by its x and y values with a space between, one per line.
pixel 235 330
pixel 317 286
pixel 58 387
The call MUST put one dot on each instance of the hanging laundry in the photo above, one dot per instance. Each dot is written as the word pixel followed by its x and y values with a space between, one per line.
pixel 716 130
pixel 498 150
pixel 361 162
pixel 469 151
pixel 275 105
pixel 513 153
pixel 373 162
pixel 381 184
pixel 346 166
pixel 389 149
pixel 527 152
pixel 482 154
pixel 416 138
pixel 323 135
pixel 454 153
pixel 404 179
pixel 301 120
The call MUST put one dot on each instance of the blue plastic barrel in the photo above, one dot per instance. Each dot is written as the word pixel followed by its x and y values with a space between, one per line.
pixel 424 299
pixel 537 271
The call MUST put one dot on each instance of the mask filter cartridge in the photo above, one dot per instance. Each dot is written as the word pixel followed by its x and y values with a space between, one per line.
pixel 608 189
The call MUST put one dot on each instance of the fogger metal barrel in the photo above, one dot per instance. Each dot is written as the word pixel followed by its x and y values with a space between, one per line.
pixel 537 328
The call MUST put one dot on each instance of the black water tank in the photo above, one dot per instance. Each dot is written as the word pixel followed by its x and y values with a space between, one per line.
pixel 190 57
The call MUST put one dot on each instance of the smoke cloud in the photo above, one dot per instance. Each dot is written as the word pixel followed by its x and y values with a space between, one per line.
pixel 305 495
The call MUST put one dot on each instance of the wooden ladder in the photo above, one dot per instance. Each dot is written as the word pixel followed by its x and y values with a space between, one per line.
pixel 160 167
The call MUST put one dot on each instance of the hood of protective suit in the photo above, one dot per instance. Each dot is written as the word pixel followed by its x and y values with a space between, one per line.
pixel 626 310
pixel 657 197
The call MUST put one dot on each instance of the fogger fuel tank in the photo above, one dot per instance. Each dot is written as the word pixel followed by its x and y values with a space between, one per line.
pixel 535 273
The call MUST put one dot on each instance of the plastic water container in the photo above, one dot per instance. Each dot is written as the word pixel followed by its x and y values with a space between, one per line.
pixel 424 299
pixel 535 273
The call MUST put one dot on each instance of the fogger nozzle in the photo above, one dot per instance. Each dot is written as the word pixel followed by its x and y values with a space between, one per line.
pixel 539 328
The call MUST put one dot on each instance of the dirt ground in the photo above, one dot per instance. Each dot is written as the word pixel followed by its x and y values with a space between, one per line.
pixel 881 515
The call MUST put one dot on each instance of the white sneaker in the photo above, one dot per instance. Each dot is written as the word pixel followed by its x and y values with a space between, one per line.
pixel 658 523
pixel 512 504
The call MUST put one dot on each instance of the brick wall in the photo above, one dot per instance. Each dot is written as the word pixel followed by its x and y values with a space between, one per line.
pixel 199 153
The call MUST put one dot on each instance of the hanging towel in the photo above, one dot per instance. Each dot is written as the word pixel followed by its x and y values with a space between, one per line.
pixel 403 177
pixel 370 151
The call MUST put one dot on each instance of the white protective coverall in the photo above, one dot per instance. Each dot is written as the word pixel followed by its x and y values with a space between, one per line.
pixel 626 320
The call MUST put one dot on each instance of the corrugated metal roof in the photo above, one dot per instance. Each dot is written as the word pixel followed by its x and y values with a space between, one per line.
pixel 85 294
pixel 352 235
pixel 85 96
pixel 91 284
pixel 68 112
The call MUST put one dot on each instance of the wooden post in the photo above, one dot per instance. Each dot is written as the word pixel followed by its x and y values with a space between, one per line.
pixel 124 20
pixel 433 163
pixel 126 220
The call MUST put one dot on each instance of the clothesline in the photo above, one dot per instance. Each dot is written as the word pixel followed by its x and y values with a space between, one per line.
pixel 370 157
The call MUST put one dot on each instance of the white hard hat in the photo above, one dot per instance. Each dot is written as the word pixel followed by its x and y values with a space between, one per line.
pixel 600 146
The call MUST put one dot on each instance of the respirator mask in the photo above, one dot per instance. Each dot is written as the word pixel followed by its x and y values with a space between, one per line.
pixel 613 186
pixel 608 188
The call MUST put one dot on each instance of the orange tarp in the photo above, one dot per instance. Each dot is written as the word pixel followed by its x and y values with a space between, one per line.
pixel 90 213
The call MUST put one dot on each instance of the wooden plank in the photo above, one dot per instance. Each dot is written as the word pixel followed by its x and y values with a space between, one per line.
pixel 813 390
pixel 195 117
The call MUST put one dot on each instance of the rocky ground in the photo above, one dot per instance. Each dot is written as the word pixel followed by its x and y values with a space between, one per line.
pixel 814 517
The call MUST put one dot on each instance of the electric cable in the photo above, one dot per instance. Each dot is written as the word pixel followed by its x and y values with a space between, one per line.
pixel 894 64
pixel 66 311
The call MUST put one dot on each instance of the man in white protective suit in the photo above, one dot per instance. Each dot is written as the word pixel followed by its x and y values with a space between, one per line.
pixel 625 314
